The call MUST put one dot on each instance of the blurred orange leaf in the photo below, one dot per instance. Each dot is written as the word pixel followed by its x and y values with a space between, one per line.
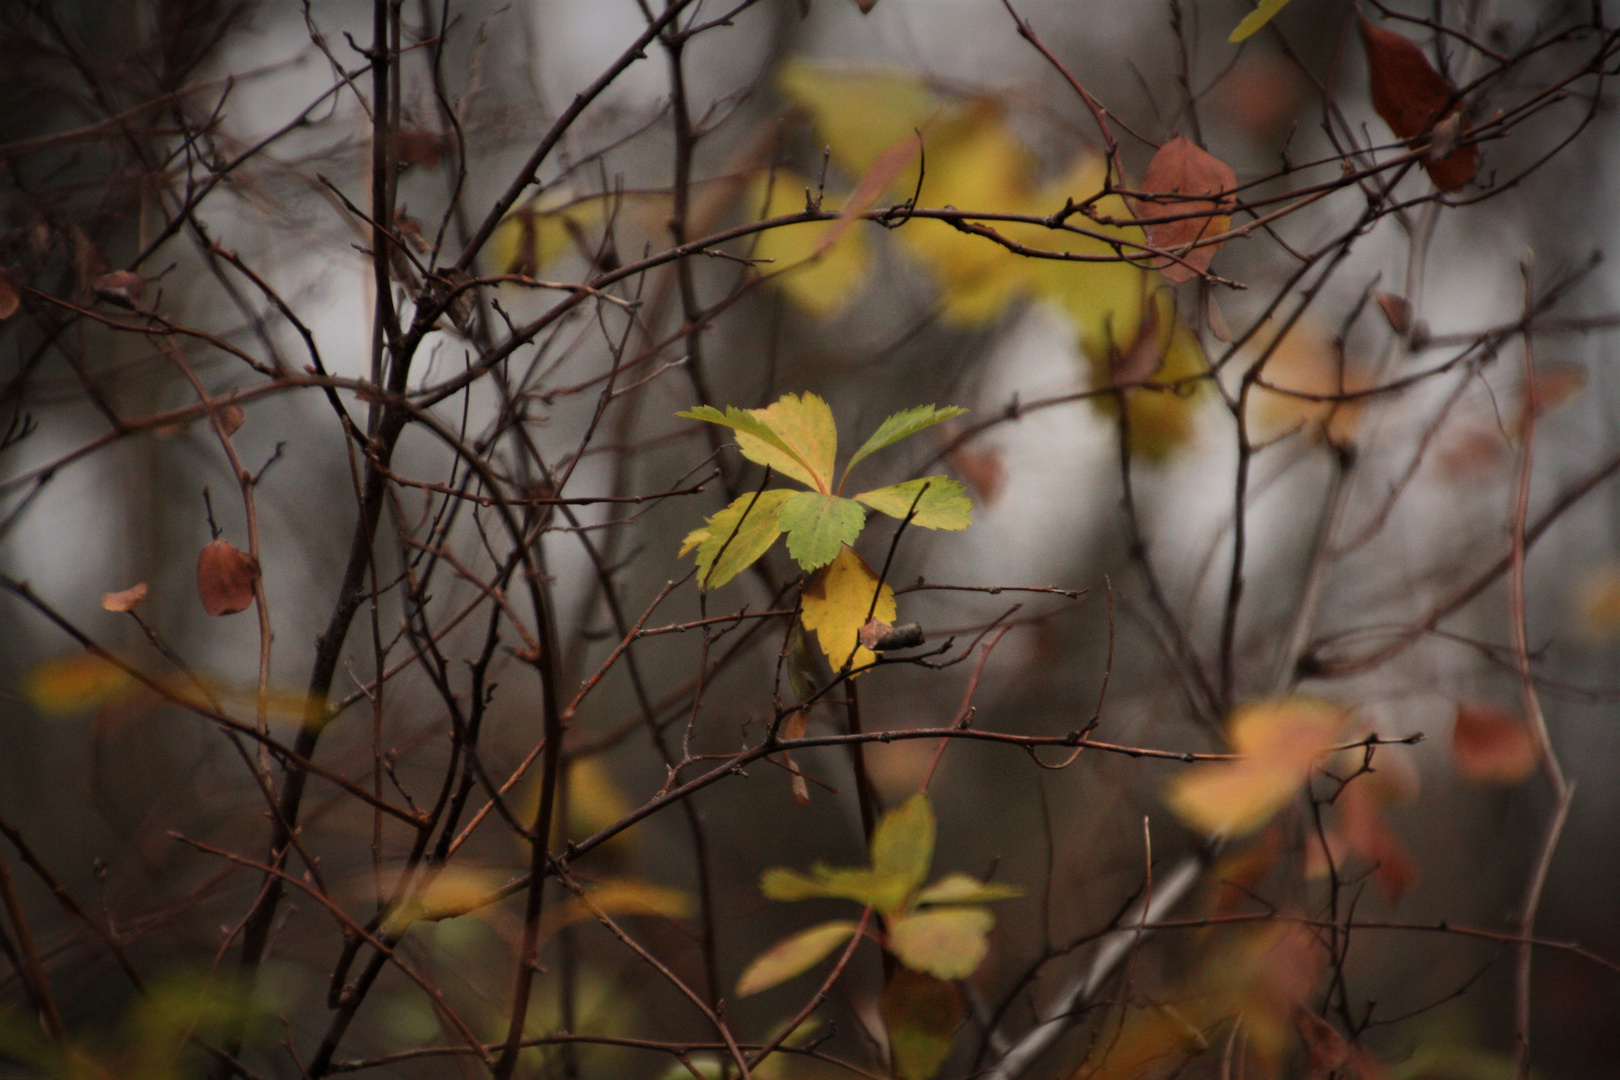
pixel 1490 744
pixel 73 683
pixel 126 599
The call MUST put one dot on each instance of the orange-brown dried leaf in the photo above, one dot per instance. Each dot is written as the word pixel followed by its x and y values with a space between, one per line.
pixel 231 419
pixel 1488 743
pixel 1397 312
pixel 1554 382
pixel 126 599
pixel 10 299
pixel 1413 99
pixel 1365 832
pixel 225 578
pixel 1181 169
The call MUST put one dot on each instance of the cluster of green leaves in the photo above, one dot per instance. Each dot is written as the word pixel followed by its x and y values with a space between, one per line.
pixel 797 438
pixel 939 932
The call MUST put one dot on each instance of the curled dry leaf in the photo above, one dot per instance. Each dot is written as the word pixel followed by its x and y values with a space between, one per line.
pixel 122 287
pixel 1488 743
pixel 1418 103
pixel 125 600
pixel 225 578
pixel 1174 216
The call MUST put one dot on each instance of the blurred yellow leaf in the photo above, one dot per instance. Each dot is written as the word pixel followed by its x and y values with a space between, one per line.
pixel 860 113
pixel 1160 420
pixel 1263 13
pixel 68 684
pixel 793 956
pixel 1280 740
pixel 836 606
pixel 1306 361
pixel 819 278
pixel 594 800
pixel 945 942
pixel 543 229
pixel 1599 601
pixel 959 888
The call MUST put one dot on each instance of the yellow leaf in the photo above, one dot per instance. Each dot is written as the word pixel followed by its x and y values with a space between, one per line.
pixel 820 282
pixel 805 424
pixel 959 888
pixel 945 942
pixel 1306 361
pixel 544 229
pixel 74 683
pixel 793 956
pixel 594 800
pixel 1263 13
pixel 1280 740
pixel 1160 420
pixel 860 113
pixel 836 604
pixel 736 536
pixel 938 502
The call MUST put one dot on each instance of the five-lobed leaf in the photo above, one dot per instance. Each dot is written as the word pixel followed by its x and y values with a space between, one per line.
pixel 793 956
pixel 940 502
pixel 947 943
pixel 838 602
pixel 818 526
pixel 1255 20
pixel 902 425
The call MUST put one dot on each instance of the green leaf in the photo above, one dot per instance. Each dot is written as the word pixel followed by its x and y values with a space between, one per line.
pixel 902 425
pixel 858 884
pixel 793 956
pixel 818 526
pixel 805 425
pixel 737 535
pixel 962 889
pixel 947 943
pixel 757 441
pixel 943 505
pixel 1254 20
pixel 922 1015
pixel 903 844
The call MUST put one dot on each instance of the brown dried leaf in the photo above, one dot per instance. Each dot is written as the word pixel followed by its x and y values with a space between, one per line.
pixel 124 288
pixel 125 600
pixel 225 578
pixel 1554 383
pixel 1326 1049
pixel 418 147
pixel 1416 102
pixel 1490 744
pixel 1181 168
pixel 1396 311
pixel 231 419
pixel 1362 826
pixel 983 471
pixel 10 299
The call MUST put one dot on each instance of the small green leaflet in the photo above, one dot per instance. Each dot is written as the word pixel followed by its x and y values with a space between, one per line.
pixel 818 525
pixel 1254 20
pixel 943 505
pixel 842 883
pixel 903 843
pixel 736 536
pixel 900 426
pixel 961 889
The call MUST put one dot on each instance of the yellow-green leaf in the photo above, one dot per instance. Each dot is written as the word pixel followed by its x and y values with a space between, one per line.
pixel 805 425
pixel 902 425
pixel 820 278
pixel 543 229
pixel 1280 741
pixel 903 843
pixel 922 1014
pixel 73 683
pixel 836 605
pixel 793 956
pixel 947 943
pixel 818 526
pixel 839 883
pixel 738 535
pixel 942 504
pixel 1254 20
pixel 1160 420
pixel 759 442
pixel 962 889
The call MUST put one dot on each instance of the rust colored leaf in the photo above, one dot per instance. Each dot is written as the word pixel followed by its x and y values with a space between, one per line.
pixel 1326 1050
pixel 10 300
pixel 231 419
pixel 225 578
pixel 1416 102
pixel 1365 832
pixel 1396 311
pixel 125 600
pixel 1179 171
pixel 122 287
pixel 982 471
pixel 1490 744
pixel 418 147
pixel 1555 383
